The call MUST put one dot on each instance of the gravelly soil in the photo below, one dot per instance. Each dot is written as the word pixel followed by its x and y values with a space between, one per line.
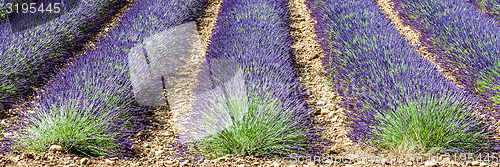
pixel 153 149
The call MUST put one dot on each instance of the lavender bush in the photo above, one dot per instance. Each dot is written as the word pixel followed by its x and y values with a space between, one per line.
pixel 397 100
pixel 89 107
pixel 3 12
pixel 248 99
pixel 28 57
pixel 491 7
pixel 464 40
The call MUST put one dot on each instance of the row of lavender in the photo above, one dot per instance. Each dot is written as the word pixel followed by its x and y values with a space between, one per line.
pixel 490 7
pixel 28 57
pixel 3 13
pixel 465 41
pixel 89 107
pixel 397 100
pixel 248 98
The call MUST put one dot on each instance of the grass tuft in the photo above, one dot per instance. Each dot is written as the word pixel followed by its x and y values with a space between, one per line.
pixel 262 131
pixel 429 127
pixel 69 128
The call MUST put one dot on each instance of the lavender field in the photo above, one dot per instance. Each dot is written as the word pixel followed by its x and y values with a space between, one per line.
pixel 249 82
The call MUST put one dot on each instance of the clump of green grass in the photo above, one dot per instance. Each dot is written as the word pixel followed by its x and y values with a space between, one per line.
pixel 264 131
pixel 239 115
pixel 75 130
pixel 429 127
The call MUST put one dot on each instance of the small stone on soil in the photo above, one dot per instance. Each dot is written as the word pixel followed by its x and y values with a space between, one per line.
pixel 109 161
pixel 276 164
pixel 158 153
pixel 84 161
pixel 55 148
pixel 325 111
pixel 475 163
pixel 320 103
pixel 169 162
pixel 334 118
pixel 136 148
pixel 430 164
pixel 317 111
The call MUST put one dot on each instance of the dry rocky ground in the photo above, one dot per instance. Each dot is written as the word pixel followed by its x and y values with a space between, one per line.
pixel 153 147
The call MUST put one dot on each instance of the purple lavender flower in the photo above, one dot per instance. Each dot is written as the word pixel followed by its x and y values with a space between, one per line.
pixel 248 94
pixel 385 84
pixel 96 89
pixel 29 57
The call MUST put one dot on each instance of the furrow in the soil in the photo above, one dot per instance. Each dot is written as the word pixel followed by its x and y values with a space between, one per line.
pixel 179 88
pixel 412 36
pixel 179 94
pixel 308 56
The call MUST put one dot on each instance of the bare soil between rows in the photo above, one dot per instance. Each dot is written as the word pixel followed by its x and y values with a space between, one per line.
pixel 153 148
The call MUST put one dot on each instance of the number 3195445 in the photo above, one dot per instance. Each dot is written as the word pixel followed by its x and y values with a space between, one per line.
pixel 32 7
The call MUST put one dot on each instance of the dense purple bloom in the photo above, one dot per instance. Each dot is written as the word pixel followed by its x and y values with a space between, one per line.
pixel 379 75
pixel 490 7
pixel 249 75
pixel 28 57
pixel 97 82
pixel 465 41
